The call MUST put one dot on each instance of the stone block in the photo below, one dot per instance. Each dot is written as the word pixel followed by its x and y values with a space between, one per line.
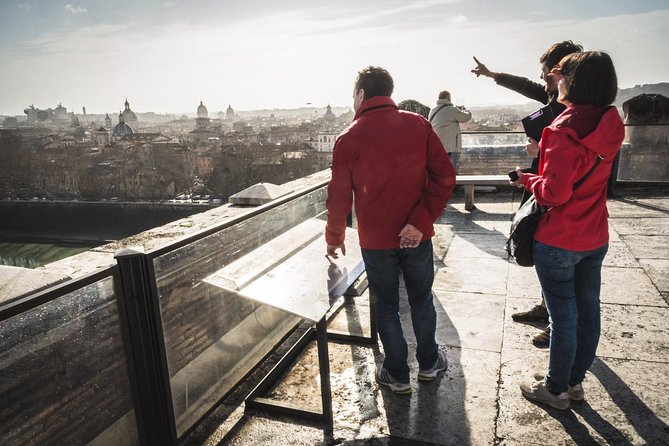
pixel 658 271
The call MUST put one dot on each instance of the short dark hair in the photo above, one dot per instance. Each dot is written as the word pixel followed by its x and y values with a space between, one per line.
pixel 557 51
pixel 590 78
pixel 375 81
pixel 445 95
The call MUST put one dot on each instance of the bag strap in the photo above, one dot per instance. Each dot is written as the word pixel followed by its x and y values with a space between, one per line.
pixel 587 174
pixel 438 110
pixel 582 179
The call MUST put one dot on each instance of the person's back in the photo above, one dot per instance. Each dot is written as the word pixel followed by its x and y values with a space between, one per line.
pixel 445 119
pixel 392 164
pixel 394 145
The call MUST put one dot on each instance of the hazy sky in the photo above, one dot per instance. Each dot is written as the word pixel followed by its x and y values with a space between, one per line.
pixel 166 56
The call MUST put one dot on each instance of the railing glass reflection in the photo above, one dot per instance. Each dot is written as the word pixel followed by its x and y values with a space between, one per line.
pixel 63 372
pixel 214 338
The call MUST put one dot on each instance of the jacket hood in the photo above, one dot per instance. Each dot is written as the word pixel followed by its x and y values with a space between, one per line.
pixel 599 129
pixel 444 101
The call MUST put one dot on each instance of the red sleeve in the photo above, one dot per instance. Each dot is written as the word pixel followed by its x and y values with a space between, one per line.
pixel 340 194
pixel 439 187
pixel 562 159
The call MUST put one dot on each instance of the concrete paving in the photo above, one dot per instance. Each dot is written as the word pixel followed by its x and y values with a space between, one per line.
pixel 477 400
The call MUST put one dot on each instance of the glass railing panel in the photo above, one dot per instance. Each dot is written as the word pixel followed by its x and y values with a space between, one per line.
pixel 63 373
pixel 644 156
pixel 214 338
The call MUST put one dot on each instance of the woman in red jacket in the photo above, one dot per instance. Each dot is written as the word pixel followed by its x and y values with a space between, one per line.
pixel 572 238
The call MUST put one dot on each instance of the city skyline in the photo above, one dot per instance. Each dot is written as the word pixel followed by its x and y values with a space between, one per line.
pixel 166 56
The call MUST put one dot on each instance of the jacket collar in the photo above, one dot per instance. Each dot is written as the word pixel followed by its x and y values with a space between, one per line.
pixel 444 102
pixel 375 103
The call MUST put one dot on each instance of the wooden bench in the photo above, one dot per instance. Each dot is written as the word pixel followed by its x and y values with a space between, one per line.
pixel 292 273
pixel 471 181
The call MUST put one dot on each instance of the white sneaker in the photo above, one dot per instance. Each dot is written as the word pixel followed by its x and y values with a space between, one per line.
pixel 575 392
pixel 537 391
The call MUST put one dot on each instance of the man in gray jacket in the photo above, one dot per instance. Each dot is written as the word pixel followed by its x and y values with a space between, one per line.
pixel 446 118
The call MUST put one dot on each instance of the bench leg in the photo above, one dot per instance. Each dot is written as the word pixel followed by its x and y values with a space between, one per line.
pixel 324 366
pixel 469 197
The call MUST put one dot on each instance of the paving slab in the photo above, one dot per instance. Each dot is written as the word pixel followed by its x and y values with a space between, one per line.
pixel 518 335
pixel 658 271
pixel 523 282
pixel 478 246
pixel 486 276
pixel 639 207
pixel 616 289
pixel 628 332
pixel 487 218
pixel 619 255
pixel 459 326
pixel 634 332
pixel 621 406
pixel 648 246
pixel 640 226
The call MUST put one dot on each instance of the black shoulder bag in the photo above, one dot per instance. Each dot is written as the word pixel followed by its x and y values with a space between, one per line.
pixel 525 222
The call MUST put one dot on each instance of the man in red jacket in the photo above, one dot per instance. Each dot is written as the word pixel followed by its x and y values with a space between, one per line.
pixel 394 165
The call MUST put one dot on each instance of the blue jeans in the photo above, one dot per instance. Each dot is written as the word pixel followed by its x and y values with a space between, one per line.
pixel 383 267
pixel 570 282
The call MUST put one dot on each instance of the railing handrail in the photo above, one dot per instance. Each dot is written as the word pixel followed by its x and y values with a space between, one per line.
pixel 188 239
pixel 27 303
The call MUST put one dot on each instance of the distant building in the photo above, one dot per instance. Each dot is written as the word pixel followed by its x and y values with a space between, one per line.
pixel 229 113
pixel 102 136
pixel 130 117
pixel 108 122
pixel 122 129
pixel 325 142
pixel 10 122
pixel 202 121
pixel 61 113
pixel 329 116
pixel 36 115
pixel 74 120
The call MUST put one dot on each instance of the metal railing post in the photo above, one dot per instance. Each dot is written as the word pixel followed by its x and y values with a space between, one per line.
pixel 142 332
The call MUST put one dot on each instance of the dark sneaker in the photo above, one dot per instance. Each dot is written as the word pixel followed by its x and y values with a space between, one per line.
pixel 431 374
pixel 574 392
pixel 543 339
pixel 385 378
pixel 537 391
pixel 536 313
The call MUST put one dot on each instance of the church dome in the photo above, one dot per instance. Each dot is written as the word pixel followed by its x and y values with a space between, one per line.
pixel 202 111
pixel 329 116
pixel 129 115
pixel 122 129
pixel 229 113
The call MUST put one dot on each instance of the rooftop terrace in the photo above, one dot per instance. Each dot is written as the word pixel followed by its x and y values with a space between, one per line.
pixel 477 401
pixel 145 351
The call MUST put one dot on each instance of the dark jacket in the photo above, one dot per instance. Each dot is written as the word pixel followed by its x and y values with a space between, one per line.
pixel 530 89
pixel 398 170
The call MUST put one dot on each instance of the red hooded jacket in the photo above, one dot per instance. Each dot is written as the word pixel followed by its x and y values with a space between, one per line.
pixel 578 220
pixel 394 163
